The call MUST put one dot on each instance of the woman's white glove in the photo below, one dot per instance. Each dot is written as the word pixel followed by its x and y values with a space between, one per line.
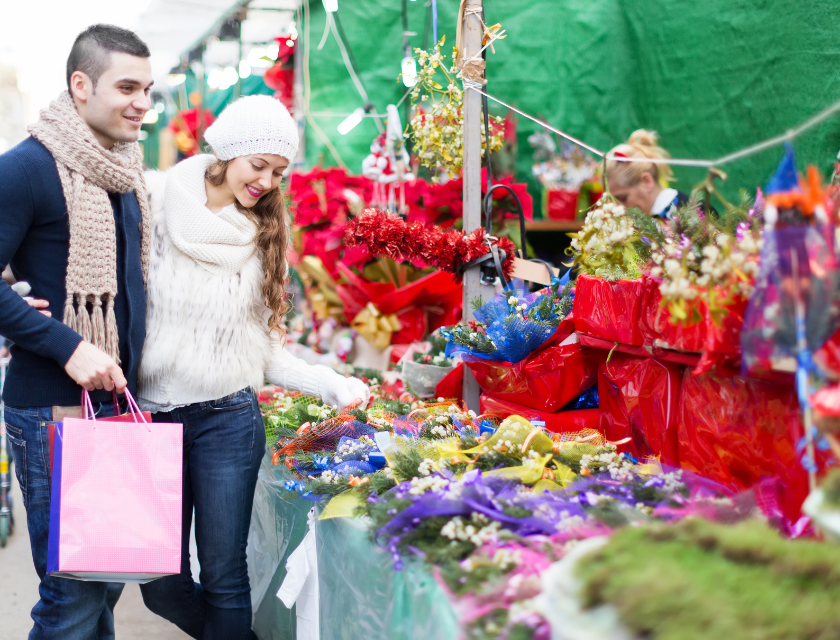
pixel 341 392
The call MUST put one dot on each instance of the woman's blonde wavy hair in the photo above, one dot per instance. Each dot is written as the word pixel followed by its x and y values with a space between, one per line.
pixel 642 144
pixel 271 216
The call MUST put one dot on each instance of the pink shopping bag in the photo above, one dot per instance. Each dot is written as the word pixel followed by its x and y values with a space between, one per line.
pixel 115 510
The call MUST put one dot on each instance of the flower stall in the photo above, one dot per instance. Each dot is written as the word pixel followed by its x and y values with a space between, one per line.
pixel 634 443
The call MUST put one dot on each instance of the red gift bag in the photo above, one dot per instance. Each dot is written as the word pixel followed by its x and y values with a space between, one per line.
pixel 639 398
pixel 609 310
pixel 545 380
pixel 739 431
pixel 559 422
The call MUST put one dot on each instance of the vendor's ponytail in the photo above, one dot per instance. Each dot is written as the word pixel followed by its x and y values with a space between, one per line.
pixel 642 144
pixel 271 216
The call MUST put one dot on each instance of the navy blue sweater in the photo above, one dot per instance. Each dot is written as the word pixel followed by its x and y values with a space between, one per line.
pixel 34 241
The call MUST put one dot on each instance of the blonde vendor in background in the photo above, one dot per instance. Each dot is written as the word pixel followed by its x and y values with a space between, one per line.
pixel 643 184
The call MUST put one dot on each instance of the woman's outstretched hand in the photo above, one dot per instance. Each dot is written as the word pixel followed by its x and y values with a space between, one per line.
pixel 346 393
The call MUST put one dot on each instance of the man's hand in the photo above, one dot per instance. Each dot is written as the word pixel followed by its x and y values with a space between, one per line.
pixel 94 369
pixel 43 305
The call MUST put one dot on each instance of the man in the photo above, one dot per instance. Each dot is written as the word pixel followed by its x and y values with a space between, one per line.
pixel 74 224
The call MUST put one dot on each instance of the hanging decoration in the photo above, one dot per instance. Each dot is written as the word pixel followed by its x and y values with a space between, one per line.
pixel 385 234
pixel 388 166
pixel 281 77
pixel 438 120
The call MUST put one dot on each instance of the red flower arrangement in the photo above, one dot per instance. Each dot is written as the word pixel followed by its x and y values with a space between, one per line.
pixel 388 235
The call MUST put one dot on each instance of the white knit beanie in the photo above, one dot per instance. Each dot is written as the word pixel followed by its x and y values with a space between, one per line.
pixel 253 124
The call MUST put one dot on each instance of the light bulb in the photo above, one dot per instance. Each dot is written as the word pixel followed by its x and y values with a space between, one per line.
pixel 244 69
pixel 229 78
pixel 215 78
pixel 351 121
pixel 409 71
pixel 160 107
pixel 331 5
pixel 151 117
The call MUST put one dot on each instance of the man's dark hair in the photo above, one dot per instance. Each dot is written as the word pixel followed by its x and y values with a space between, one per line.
pixel 92 50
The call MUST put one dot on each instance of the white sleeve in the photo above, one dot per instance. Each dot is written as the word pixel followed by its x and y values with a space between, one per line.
pixel 289 372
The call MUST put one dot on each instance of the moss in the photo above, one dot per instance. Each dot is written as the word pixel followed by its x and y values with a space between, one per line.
pixel 702 580
pixel 831 489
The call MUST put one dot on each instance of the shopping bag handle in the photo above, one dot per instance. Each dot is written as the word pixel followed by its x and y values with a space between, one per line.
pixel 88 412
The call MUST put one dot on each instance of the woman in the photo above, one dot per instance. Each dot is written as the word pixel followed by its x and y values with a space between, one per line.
pixel 215 306
pixel 643 184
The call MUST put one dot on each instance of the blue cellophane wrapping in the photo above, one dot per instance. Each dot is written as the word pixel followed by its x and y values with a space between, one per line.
pixel 514 340
pixel 361 594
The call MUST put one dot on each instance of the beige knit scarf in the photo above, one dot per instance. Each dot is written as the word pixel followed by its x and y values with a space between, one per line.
pixel 88 172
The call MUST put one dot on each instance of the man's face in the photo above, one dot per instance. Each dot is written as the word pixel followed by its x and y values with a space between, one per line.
pixel 114 109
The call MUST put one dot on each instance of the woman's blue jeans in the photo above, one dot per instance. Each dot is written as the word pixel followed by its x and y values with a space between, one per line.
pixel 224 442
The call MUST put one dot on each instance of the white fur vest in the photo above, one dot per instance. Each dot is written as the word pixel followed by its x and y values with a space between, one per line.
pixel 206 335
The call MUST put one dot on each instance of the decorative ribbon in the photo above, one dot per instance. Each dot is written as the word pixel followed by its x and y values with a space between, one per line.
pixel 323 297
pixel 375 327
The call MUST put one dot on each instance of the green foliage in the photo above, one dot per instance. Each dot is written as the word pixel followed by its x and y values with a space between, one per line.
pixel 359 414
pixel 697 579
pixel 406 464
pixel 391 406
pixel 475 339
pixel 379 484
pixel 831 489
pixel 367 374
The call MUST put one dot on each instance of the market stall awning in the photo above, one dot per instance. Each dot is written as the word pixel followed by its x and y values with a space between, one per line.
pixel 172 28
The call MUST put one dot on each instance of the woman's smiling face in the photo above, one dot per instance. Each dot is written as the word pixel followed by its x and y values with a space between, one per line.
pixel 251 177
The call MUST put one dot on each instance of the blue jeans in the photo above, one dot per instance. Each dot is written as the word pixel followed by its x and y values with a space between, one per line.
pixel 224 442
pixel 68 609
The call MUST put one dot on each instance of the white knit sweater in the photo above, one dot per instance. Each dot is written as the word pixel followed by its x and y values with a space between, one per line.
pixel 206 333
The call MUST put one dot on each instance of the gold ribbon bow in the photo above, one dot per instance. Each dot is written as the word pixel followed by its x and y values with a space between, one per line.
pixel 375 327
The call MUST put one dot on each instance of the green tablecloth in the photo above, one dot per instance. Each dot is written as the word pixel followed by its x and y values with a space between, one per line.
pixel 361 596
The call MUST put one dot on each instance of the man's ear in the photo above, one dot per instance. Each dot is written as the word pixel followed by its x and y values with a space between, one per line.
pixel 80 86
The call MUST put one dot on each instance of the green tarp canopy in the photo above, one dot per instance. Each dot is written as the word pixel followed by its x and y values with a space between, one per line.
pixel 711 77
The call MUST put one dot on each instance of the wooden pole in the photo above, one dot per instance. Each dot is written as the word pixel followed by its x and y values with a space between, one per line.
pixel 471 44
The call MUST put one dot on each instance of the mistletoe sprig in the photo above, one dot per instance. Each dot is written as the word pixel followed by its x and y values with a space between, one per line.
pixel 437 124
pixel 614 241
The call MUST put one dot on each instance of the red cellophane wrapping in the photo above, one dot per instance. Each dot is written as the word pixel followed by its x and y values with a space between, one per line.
pixel 452 385
pixel 639 398
pixel 738 431
pixel 559 422
pixel 828 356
pixel 722 351
pixel 545 380
pixel 657 326
pixel 719 340
pixel 609 310
pixel 421 307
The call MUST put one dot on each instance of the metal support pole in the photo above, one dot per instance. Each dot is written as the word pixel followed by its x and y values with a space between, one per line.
pixel 472 35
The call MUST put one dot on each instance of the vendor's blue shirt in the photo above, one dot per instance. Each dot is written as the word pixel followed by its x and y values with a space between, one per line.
pixel 35 242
